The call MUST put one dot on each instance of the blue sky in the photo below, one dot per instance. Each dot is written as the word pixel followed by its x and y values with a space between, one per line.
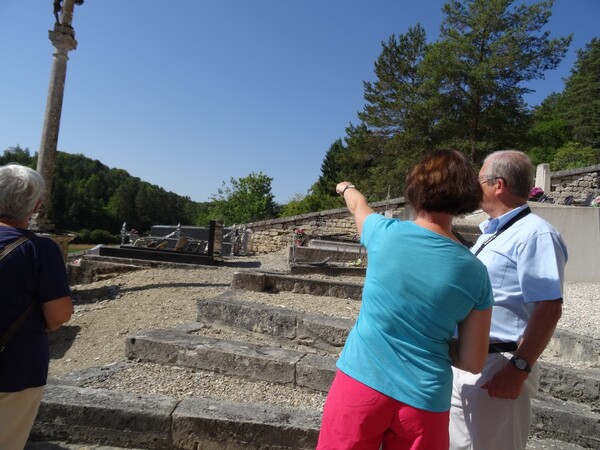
pixel 186 94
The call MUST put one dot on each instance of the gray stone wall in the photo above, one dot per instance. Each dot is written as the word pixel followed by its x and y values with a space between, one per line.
pixel 273 235
pixel 576 182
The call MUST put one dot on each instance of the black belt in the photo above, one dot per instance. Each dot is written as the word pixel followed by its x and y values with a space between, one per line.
pixel 501 347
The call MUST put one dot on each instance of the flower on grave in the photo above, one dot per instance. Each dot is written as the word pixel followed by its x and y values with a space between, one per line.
pixel 536 193
pixel 596 201
pixel 300 234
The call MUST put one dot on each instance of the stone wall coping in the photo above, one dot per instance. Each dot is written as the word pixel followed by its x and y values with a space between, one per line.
pixel 378 206
pixel 578 171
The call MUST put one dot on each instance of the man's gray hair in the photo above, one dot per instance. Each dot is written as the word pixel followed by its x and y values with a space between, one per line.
pixel 20 190
pixel 515 168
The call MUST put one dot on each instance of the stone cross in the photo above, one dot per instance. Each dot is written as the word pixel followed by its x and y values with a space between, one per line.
pixel 63 40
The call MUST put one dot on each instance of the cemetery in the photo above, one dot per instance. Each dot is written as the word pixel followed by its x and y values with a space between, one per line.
pixel 259 328
pixel 281 346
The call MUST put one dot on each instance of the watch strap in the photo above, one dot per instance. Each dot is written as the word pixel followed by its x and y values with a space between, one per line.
pixel 520 364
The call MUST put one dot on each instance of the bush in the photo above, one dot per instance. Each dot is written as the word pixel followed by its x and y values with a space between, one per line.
pixel 103 237
pixel 83 237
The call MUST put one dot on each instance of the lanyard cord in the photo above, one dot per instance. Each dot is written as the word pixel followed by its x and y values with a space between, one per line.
pixel 506 226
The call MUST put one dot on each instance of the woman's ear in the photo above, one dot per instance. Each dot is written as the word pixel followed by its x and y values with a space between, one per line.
pixel 38 205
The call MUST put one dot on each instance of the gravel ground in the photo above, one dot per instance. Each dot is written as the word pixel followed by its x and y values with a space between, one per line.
pixel 165 298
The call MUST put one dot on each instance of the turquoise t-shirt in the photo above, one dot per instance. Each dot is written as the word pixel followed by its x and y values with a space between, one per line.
pixel 419 285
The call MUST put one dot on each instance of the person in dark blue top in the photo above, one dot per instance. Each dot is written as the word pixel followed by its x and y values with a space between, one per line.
pixel 31 274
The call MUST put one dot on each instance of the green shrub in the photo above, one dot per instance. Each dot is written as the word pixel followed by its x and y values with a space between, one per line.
pixel 103 237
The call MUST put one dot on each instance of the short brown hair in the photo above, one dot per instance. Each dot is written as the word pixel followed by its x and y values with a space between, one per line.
pixel 443 181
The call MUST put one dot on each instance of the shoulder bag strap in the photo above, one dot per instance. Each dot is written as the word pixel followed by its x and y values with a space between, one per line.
pixel 17 324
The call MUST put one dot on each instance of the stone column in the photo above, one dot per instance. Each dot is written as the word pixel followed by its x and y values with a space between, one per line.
pixel 63 40
pixel 543 177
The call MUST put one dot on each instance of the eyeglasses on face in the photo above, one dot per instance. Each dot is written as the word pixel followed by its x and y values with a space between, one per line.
pixel 490 180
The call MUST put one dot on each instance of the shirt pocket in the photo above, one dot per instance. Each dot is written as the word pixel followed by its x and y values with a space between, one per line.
pixel 497 266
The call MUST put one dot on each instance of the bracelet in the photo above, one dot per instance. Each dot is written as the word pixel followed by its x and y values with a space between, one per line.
pixel 348 186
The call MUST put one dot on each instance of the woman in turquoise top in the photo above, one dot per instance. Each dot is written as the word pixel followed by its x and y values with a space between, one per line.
pixel 393 386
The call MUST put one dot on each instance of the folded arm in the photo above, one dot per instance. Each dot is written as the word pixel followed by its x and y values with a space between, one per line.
pixel 469 352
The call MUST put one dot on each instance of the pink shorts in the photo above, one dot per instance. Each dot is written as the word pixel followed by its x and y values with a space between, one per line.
pixel 358 417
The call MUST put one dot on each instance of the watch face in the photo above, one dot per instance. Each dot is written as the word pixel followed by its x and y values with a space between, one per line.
pixel 520 364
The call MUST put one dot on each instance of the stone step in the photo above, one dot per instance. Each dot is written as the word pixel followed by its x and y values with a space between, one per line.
pixel 101 420
pixel 564 383
pixel 576 347
pixel 117 419
pixel 274 282
pixel 535 443
pixel 566 421
pixel 552 419
pixel 240 359
pixel 319 331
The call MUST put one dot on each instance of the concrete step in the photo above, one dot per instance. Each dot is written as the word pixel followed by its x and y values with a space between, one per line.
pixel 576 347
pixel 240 359
pixel 91 419
pixel 274 282
pixel 552 418
pixel 576 385
pixel 117 419
pixel 278 365
pixel 316 330
pixel 535 443
pixel 109 418
pixel 571 422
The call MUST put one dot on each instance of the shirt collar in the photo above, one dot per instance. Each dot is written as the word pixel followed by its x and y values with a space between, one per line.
pixel 491 225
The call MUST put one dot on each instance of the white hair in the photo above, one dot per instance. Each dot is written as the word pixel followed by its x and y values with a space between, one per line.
pixel 20 190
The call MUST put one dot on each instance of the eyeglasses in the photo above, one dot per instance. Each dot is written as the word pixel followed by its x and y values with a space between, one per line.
pixel 490 180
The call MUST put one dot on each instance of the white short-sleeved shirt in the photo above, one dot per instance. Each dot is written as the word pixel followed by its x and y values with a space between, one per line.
pixel 526 265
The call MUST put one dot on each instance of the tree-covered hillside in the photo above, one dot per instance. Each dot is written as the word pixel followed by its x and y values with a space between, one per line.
pixel 87 195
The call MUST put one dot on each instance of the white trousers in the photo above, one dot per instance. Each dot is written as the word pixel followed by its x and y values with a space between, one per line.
pixel 480 422
pixel 17 413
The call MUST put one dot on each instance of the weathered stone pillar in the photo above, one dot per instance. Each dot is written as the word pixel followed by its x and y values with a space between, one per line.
pixel 543 178
pixel 63 40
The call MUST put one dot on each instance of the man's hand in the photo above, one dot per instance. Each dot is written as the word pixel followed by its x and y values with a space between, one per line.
pixel 507 383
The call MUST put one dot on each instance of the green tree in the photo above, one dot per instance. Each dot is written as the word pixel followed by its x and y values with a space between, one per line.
pixel 330 168
pixel 486 54
pixel 573 155
pixel 244 200
pixel 398 101
pixel 549 129
pixel 121 204
pixel 19 156
pixel 582 96
pixel 399 115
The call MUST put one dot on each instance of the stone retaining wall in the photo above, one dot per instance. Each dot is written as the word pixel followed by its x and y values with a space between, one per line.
pixel 576 182
pixel 273 235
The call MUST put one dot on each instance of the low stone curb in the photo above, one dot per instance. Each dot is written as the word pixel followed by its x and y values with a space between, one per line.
pixel 256 362
pixel 568 384
pixel 322 332
pixel 577 346
pixel 223 425
pixel 566 421
pixel 261 282
pixel 110 418
pixel 75 414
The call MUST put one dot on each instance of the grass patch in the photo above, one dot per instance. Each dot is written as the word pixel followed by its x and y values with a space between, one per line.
pixel 74 248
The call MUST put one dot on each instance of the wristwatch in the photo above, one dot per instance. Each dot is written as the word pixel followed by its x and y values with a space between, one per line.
pixel 520 364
